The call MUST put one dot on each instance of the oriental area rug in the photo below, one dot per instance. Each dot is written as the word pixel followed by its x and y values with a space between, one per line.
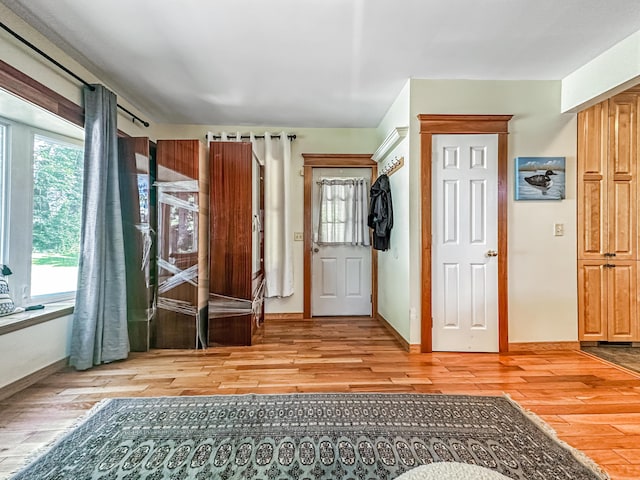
pixel 305 436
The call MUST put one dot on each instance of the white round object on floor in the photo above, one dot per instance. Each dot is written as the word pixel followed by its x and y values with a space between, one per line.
pixel 451 471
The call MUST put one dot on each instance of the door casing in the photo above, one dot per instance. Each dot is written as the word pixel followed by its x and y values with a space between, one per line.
pixel 462 124
pixel 331 160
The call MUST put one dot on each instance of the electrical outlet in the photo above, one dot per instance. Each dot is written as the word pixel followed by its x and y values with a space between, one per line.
pixel 558 229
pixel 298 236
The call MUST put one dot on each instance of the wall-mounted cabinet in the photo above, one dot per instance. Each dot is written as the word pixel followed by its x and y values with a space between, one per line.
pixel 608 172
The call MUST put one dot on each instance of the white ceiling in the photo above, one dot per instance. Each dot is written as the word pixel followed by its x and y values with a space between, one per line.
pixel 317 63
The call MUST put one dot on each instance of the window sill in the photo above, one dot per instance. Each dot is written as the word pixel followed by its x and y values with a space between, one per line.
pixel 18 321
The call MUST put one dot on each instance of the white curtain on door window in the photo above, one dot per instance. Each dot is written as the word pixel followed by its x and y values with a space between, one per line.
pixel 343 212
pixel 274 153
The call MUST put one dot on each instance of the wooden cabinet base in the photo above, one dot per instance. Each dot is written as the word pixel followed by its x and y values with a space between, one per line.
pixel 175 330
pixel 237 330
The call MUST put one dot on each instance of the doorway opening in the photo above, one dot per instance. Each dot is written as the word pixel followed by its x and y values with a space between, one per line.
pixel 332 164
pixel 431 125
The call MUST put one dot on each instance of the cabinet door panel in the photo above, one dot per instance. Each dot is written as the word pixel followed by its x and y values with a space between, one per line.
pixel 622 218
pixel 592 301
pixel 180 259
pixel 622 303
pixel 622 197
pixel 592 174
pixel 591 233
pixel 231 241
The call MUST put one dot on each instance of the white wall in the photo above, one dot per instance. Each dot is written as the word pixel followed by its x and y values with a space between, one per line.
pixel 308 140
pixel 393 264
pixel 31 349
pixel 611 72
pixel 542 267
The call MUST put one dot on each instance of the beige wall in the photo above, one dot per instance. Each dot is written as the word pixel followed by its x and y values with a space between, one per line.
pixel 308 140
pixel 393 264
pixel 542 267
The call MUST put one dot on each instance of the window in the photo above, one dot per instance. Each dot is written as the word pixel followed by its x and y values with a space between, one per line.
pixel 4 188
pixel 343 211
pixel 57 210
pixel 41 166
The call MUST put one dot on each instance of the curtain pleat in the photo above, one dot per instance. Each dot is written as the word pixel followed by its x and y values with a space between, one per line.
pixel 278 257
pixel 99 333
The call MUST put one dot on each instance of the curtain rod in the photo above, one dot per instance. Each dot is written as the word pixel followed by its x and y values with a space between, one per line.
pixel 65 69
pixel 292 136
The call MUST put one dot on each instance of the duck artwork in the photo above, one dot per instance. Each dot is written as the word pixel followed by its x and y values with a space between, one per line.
pixel 541 182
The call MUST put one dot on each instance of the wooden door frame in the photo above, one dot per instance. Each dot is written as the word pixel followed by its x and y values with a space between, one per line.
pixel 462 125
pixel 332 160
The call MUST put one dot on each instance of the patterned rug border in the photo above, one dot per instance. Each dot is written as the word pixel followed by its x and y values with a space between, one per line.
pixel 544 427
pixel 579 455
pixel 62 436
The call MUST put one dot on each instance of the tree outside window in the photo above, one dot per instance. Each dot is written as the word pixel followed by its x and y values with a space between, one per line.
pixel 57 210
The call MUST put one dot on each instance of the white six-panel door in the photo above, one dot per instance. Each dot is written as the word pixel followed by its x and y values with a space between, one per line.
pixel 465 242
pixel 340 274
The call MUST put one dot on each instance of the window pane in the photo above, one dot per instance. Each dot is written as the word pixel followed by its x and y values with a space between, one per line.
pixel 57 209
pixel 3 190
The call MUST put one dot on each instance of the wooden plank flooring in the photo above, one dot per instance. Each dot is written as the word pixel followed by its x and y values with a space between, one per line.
pixel 591 404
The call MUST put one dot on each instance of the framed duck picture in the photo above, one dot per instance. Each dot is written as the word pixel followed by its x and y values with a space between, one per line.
pixel 540 178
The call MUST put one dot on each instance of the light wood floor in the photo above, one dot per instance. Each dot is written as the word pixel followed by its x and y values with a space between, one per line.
pixel 592 405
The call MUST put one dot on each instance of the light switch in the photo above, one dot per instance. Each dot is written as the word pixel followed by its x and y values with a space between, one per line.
pixel 298 236
pixel 558 229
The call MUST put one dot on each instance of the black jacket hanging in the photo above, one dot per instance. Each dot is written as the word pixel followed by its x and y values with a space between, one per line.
pixel 381 212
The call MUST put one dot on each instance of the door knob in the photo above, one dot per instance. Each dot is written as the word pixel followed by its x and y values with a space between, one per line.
pixel 492 253
pixel 316 250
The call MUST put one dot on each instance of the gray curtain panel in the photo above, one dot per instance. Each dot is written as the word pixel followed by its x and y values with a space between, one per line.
pixel 100 318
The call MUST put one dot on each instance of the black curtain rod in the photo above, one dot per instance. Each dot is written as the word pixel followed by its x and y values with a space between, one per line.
pixel 292 136
pixel 65 69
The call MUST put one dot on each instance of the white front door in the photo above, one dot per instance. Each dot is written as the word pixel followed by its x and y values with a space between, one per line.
pixel 340 274
pixel 465 242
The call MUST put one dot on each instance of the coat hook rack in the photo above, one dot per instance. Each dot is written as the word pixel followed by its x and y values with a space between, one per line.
pixel 393 166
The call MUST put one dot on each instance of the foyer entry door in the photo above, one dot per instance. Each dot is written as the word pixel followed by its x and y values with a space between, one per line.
pixel 341 274
pixel 465 243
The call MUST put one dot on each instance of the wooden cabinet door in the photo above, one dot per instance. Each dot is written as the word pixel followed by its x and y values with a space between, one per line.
pixel 592 300
pixel 592 181
pixel 607 220
pixel 180 258
pixel 622 301
pixel 231 238
pixel 135 184
pixel 622 167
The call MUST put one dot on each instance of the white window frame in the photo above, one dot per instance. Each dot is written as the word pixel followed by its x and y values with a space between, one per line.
pixel 18 219
pixel 5 188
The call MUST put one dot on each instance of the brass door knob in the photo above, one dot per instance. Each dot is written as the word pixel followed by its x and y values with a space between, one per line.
pixel 492 253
